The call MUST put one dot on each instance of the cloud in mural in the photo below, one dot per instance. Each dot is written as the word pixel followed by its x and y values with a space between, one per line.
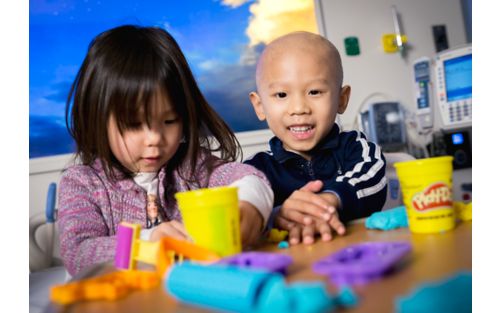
pixel 174 32
pixel 234 3
pixel 273 18
pixel 209 65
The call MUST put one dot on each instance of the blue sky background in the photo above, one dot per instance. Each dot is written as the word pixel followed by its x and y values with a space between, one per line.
pixel 211 34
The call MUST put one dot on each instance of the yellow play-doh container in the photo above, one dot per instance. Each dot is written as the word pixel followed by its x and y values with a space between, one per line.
pixel 212 218
pixel 426 185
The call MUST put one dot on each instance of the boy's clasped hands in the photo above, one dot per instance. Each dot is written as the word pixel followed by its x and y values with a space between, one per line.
pixel 307 213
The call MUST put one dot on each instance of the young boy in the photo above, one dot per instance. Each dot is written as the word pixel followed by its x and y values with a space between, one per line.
pixel 321 177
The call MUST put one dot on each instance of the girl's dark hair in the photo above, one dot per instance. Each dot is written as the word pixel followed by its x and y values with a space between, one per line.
pixel 123 70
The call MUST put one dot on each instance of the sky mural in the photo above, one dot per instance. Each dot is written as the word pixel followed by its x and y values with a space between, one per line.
pixel 221 39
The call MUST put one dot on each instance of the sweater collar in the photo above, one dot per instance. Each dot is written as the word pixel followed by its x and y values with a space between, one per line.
pixel 330 141
pixel 123 182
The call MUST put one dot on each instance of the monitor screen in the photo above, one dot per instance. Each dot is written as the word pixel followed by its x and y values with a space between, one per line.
pixel 458 75
pixel 457 138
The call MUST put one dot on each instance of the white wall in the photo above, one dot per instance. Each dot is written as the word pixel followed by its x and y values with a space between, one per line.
pixel 43 171
pixel 374 71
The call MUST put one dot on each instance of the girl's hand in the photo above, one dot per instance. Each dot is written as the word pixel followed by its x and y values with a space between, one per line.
pixel 250 223
pixel 172 229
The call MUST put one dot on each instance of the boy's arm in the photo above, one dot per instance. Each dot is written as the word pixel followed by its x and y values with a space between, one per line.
pixel 362 186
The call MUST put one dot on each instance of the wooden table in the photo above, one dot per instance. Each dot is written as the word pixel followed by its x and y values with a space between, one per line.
pixel 434 257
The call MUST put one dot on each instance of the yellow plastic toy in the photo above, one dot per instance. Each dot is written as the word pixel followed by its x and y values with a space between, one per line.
pixel 276 235
pixel 463 210
pixel 162 253
pixel 110 286
pixel 426 185
pixel 212 218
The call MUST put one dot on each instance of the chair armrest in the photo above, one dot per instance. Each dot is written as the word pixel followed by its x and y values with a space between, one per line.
pixel 40 258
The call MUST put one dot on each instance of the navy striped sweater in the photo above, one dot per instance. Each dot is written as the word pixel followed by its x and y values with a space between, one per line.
pixel 346 162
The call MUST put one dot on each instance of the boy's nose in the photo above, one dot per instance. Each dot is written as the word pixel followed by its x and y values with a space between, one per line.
pixel 298 106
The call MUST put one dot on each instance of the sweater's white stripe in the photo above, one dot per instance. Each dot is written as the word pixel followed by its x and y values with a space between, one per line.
pixel 372 171
pixel 372 190
pixel 359 165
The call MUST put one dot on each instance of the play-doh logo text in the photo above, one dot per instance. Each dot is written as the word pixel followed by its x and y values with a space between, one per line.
pixel 434 196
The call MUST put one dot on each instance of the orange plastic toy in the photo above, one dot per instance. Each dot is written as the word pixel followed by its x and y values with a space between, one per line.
pixel 110 286
pixel 170 248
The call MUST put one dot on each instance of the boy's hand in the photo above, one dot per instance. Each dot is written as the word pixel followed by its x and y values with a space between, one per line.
pixel 334 222
pixel 306 213
pixel 307 232
pixel 303 204
pixel 250 223
pixel 172 229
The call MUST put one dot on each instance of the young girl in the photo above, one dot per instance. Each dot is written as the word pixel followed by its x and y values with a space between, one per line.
pixel 143 132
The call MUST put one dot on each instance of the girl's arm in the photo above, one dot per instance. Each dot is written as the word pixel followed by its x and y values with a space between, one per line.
pixel 256 191
pixel 253 186
pixel 255 198
pixel 84 234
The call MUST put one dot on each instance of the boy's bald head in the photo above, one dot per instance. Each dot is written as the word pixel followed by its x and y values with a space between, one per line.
pixel 299 90
pixel 304 42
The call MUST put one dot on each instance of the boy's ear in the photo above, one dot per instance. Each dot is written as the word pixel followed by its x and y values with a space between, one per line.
pixel 257 105
pixel 345 94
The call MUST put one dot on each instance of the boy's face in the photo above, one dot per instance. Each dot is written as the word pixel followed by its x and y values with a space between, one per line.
pixel 299 97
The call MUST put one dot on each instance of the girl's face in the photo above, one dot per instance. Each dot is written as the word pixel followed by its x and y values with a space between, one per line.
pixel 147 149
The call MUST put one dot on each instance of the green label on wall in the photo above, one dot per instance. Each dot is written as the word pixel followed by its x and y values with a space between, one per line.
pixel 351 45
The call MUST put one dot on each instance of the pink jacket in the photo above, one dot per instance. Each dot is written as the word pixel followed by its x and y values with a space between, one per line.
pixel 91 206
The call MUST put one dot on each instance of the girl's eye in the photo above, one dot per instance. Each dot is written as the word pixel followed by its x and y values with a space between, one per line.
pixel 135 125
pixel 315 92
pixel 280 95
pixel 170 121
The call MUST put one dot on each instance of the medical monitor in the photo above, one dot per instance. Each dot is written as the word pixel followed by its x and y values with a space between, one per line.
pixel 454 86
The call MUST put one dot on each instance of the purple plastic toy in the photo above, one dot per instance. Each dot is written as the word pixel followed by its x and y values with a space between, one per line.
pixel 362 263
pixel 273 262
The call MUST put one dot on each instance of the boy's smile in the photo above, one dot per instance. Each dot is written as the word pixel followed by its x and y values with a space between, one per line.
pixel 299 91
pixel 302 132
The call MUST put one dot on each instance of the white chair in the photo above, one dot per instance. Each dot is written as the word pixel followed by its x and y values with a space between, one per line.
pixel 394 196
pixel 45 264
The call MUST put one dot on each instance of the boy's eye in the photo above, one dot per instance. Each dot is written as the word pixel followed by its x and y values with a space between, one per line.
pixel 315 92
pixel 280 95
